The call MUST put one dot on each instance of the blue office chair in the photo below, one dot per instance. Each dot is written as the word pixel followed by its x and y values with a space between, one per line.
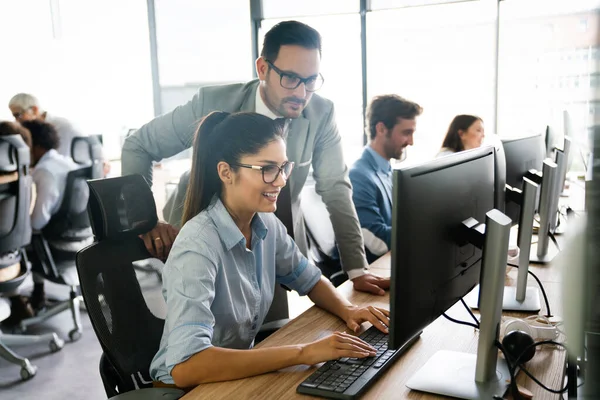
pixel 15 234
pixel 120 210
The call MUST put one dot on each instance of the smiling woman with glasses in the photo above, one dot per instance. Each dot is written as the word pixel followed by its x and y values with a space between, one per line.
pixel 230 254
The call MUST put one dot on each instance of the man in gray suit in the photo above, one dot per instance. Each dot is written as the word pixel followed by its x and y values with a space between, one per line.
pixel 288 72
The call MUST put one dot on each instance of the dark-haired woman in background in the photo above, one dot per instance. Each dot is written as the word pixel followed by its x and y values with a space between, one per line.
pixel 464 133
pixel 221 273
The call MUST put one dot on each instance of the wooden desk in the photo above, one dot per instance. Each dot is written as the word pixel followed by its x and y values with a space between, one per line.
pixel 8 178
pixel 548 365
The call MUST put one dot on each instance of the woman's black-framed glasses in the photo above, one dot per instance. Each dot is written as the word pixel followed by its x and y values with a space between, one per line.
pixel 271 172
pixel 292 81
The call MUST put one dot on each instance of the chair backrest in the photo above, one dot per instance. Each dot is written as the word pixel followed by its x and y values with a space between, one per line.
pixel 120 209
pixel 87 150
pixel 15 197
pixel 72 216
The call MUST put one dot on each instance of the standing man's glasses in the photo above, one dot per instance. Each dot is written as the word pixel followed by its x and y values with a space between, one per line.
pixel 271 172
pixel 290 80
pixel 19 114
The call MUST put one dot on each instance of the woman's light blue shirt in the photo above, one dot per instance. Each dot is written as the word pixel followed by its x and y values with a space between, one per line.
pixel 217 291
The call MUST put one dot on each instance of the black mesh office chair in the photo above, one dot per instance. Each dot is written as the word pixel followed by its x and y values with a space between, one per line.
pixel 15 234
pixel 120 209
pixel 53 250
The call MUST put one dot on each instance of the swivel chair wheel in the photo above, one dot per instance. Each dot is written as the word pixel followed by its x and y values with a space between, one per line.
pixel 74 335
pixel 56 344
pixel 28 371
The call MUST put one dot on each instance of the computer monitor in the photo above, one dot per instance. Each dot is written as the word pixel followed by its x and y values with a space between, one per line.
pixel 431 201
pixel 432 266
pixel 522 154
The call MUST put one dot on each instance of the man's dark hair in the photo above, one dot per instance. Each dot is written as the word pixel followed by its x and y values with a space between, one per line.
pixel 289 33
pixel 387 109
pixel 43 134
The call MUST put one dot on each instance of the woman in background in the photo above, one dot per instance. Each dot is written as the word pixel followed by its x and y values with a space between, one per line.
pixel 464 133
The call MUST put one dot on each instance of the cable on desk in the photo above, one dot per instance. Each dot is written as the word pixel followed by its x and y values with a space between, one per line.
pixel 517 362
pixel 549 314
pixel 456 321
pixel 511 371
pixel 470 312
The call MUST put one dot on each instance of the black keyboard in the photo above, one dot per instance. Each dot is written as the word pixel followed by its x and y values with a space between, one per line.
pixel 348 378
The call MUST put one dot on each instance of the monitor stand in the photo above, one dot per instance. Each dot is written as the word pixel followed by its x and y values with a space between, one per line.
pixel 551 252
pixel 543 253
pixel 522 297
pixel 531 302
pixel 482 375
pixel 450 373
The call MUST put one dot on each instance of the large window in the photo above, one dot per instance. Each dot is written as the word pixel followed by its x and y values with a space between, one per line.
pixel 342 70
pixel 440 56
pixel 201 43
pixel 549 63
pixel 85 61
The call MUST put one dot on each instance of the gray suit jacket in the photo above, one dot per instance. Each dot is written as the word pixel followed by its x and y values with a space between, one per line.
pixel 313 139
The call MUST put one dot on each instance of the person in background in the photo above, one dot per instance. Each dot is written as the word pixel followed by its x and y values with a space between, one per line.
pixel 220 276
pixel 26 107
pixel 391 124
pixel 50 170
pixel 20 308
pixel 464 133
pixel 288 76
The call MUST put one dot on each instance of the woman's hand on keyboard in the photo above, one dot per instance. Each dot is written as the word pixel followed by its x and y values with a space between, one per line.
pixel 334 346
pixel 378 317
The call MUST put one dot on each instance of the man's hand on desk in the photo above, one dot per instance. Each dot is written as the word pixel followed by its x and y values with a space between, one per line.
pixel 371 284
pixel 355 316
pixel 159 240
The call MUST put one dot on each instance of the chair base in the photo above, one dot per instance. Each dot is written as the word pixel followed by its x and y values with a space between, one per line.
pixel 71 304
pixel 54 342
pixel 28 370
